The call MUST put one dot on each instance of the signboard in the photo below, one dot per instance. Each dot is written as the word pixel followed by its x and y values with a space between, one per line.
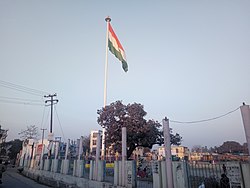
pixel 129 172
pixel 155 167
pixel 39 149
pixel 50 137
pixel 234 175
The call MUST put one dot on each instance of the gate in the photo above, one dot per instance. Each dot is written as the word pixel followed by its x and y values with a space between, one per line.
pixel 212 175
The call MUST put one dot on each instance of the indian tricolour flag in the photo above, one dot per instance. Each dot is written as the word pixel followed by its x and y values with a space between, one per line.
pixel 116 48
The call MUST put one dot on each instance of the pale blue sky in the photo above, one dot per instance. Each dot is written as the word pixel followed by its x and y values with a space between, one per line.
pixel 188 60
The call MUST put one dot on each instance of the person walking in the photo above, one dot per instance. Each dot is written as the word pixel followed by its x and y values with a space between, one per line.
pixel 2 170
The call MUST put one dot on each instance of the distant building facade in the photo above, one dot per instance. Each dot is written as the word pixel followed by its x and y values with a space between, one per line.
pixel 180 152
pixel 93 141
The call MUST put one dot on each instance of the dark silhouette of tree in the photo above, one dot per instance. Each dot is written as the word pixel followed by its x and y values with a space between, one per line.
pixel 86 143
pixel 197 148
pixel 3 136
pixel 245 148
pixel 30 133
pixel 230 147
pixel 14 148
pixel 140 132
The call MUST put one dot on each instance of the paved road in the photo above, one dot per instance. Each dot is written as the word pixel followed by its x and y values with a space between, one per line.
pixel 12 179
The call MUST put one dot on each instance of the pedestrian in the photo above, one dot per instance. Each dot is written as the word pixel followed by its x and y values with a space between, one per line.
pixel 2 169
pixel 224 181
pixel 224 168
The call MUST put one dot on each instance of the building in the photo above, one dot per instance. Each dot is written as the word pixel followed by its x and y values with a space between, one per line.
pixel 195 156
pixel 180 152
pixel 93 141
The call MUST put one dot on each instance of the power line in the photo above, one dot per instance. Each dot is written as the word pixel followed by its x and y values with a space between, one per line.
pixel 22 88
pixel 23 103
pixel 43 117
pixel 205 120
pixel 46 119
pixel 20 99
pixel 60 124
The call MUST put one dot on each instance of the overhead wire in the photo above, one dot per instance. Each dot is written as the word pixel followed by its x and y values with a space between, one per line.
pixel 20 99
pixel 19 102
pixel 204 120
pixel 22 88
pixel 15 100
pixel 43 117
pixel 47 118
pixel 60 123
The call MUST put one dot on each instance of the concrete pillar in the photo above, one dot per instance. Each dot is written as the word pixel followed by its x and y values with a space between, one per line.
pixel 116 173
pixel 32 160
pixel 41 164
pixel 80 168
pixel 97 156
pixel 157 183
pixel 124 154
pixel 25 164
pixel 75 168
pixel 120 173
pixel 65 166
pixel 54 165
pixel 67 149
pixel 245 113
pixel 65 162
pixel 168 155
pixel 179 174
pixel 47 164
pixel 131 174
pixel 80 149
pixel 164 177
pixel 91 170
pixel 62 165
pixel 41 158
pixel 103 143
pixel 101 170
pixel 56 149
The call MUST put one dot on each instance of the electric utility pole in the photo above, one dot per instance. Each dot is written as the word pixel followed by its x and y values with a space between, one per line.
pixel 43 135
pixel 52 102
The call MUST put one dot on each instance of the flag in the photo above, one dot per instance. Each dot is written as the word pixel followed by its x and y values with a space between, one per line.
pixel 116 48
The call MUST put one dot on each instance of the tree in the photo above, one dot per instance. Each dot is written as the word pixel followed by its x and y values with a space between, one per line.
pixel 3 135
pixel 86 143
pixel 15 147
pixel 230 147
pixel 245 148
pixel 30 133
pixel 140 132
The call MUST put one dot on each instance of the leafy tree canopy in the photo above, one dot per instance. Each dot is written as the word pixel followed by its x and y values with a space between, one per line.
pixel 15 147
pixel 140 132
pixel 86 143
pixel 230 147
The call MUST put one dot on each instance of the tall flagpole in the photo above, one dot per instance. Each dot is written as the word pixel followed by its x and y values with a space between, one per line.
pixel 108 19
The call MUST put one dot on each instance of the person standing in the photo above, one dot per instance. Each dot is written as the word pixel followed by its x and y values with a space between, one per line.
pixel 224 181
pixel 2 169
pixel 224 168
